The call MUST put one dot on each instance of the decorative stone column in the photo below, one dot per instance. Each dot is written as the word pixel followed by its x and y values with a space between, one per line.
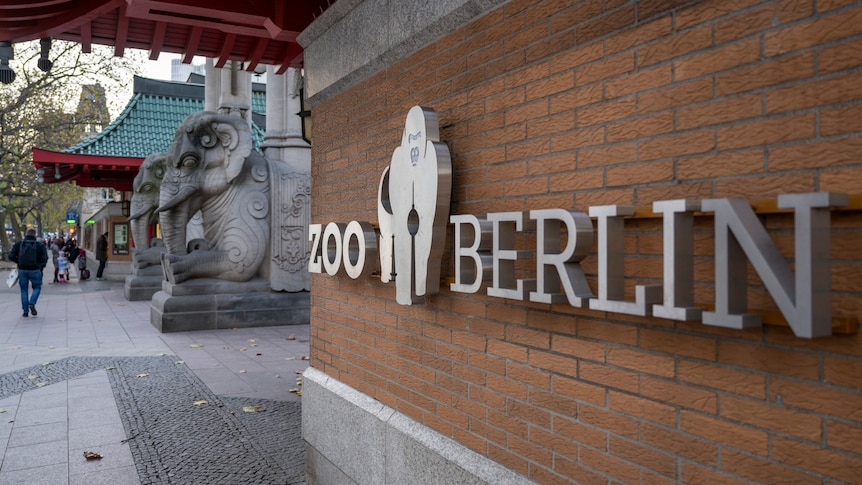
pixel 227 90
pixel 290 158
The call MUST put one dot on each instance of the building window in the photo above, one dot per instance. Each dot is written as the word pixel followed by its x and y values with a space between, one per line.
pixel 106 194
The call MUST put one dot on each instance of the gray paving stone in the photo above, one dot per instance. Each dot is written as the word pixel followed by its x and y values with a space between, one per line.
pixel 168 439
pixel 116 455
pixel 30 417
pixel 46 475
pixel 96 436
pixel 127 475
pixel 40 433
pixel 36 455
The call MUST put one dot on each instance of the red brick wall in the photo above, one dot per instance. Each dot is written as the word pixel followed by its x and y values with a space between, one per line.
pixel 548 104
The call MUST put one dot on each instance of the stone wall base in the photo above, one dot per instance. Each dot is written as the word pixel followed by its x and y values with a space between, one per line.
pixel 210 304
pixel 352 438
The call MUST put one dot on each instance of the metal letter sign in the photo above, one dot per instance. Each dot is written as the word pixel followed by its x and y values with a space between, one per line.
pixel 413 208
pixel 414 212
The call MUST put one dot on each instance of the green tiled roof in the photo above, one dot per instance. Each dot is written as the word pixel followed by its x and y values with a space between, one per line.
pixel 150 120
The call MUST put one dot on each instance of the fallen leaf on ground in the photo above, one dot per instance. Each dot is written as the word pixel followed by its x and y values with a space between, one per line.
pixel 242 349
pixel 3 411
pixel 195 346
pixel 121 304
pixel 253 409
pixel 42 384
pixel 142 375
pixel 180 362
pixel 32 377
pixel 110 368
pixel 294 390
pixel 291 337
pixel 201 402
pixel 277 376
pixel 253 345
pixel 51 347
pixel 161 355
pixel 92 456
pixel 290 358
pixel 305 357
pixel 297 372
pixel 242 372
pixel 48 363
pixel 252 340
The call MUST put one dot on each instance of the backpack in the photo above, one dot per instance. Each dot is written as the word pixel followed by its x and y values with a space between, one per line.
pixel 28 254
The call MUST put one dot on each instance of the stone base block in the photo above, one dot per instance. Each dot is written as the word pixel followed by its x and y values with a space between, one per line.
pixel 140 288
pixel 352 438
pixel 210 304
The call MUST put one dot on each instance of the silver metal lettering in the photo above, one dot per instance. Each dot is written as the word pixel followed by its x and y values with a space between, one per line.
pixel 812 315
pixel 678 247
pixel 504 255
pixel 804 298
pixel 332 240
pixel 359 249
pixel 472 241
pixel 579 230
pixel 611 276
pixel 315 265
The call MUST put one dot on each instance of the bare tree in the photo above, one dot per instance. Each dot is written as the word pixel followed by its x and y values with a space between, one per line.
pixel 41 109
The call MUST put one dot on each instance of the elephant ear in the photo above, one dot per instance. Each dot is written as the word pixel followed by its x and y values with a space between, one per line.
pixel 235 137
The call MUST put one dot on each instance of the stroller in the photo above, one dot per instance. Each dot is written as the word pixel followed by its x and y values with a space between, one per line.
pixel 83 272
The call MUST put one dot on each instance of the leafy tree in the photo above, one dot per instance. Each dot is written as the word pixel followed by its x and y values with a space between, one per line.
pixel 41 109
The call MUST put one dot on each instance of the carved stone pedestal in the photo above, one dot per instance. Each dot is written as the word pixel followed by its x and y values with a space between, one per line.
pixel 143 283
pixel 210 304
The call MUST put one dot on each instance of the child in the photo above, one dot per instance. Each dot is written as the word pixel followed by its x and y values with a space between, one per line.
pixel 63 267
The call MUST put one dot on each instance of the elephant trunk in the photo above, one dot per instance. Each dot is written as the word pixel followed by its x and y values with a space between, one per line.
pixel 140 230
pixel 173 223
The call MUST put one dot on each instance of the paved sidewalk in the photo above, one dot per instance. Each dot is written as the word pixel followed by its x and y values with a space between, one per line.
pixel 90 374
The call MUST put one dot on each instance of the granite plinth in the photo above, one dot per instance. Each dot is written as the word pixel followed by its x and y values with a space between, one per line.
pixel 211 304
pixel 140 288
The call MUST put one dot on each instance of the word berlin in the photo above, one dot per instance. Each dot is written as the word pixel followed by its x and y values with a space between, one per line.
pixel 484 252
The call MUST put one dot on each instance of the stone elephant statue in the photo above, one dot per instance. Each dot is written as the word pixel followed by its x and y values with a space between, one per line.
pixel 145 200
pixel 212 168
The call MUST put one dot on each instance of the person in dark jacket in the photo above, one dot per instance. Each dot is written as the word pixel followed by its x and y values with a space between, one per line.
pixel 31 256
pixel 102 254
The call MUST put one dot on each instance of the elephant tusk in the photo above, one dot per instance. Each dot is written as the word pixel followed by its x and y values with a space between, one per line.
pixel 141 213
pixel 184 193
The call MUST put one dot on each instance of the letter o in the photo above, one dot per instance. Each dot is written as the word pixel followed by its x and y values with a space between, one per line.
pixel 332 247
pixel 360 246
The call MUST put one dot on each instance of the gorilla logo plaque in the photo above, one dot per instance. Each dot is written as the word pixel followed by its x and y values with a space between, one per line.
pixel 413 207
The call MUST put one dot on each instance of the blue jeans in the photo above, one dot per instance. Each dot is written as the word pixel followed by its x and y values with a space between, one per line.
pixel 25 278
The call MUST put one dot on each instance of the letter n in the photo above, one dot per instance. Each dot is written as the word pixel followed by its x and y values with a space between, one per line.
pixel 804 300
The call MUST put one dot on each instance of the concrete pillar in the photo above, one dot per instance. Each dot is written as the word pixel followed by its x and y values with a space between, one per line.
pixel 290 161
pixel 283 140
pixel 228 90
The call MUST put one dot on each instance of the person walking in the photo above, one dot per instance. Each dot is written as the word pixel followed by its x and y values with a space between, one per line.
pixel 55 248
pixel 31 256
pixel 101 255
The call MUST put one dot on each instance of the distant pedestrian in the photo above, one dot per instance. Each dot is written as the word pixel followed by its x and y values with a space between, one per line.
pixel 55 248
pixel 31 257
pixel 63 265
pixel 102 255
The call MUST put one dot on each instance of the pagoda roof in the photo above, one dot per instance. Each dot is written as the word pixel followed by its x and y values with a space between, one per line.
pixel 147 125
